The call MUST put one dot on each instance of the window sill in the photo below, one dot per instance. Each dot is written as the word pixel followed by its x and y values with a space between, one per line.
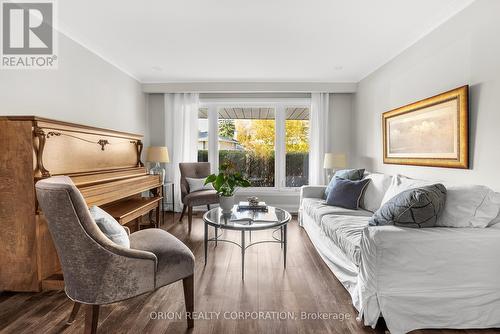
pixel 269 191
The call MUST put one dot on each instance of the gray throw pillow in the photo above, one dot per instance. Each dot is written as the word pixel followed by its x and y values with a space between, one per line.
pixel 110 227
pixel 348 174
pixel 346 193
pixel 198 184
pixel 417 207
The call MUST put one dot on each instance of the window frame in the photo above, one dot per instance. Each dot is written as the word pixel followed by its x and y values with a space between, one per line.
pixel 279 106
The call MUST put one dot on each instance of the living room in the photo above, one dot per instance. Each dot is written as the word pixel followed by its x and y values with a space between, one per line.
pixel 211 167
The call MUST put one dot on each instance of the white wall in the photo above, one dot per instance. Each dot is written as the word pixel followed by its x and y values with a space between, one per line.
pixel 84 89
pixel 464 50
pixel 340 121
pixel 156 119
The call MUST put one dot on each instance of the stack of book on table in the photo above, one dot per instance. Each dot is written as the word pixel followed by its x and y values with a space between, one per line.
pixel 255 216
pixel 260 206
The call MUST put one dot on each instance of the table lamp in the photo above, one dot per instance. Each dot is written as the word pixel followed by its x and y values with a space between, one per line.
pixel 334 162
pixel 158 154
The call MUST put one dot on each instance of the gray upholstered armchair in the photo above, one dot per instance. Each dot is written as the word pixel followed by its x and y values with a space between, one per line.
pixel 203 197
pixel 96 270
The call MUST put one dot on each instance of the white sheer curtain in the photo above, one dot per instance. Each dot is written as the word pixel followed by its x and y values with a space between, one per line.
pixel 318 135
pixel 181 117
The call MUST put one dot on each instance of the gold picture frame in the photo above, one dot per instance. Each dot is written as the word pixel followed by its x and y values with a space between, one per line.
pixel 431 132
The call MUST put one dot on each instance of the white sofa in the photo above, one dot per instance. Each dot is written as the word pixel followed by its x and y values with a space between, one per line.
pixel 441 277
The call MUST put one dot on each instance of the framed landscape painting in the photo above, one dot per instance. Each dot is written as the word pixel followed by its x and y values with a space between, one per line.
pixel 431 132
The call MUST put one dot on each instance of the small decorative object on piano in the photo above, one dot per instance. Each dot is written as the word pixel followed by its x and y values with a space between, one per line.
pixel 252 205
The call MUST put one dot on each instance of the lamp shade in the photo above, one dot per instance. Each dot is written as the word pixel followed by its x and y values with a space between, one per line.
pixel 335 161
pixel 157 154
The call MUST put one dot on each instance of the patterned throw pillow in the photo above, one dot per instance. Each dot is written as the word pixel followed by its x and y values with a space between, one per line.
pixel 417 207
pixel 347 174
pixel 346 193
pixel 110 227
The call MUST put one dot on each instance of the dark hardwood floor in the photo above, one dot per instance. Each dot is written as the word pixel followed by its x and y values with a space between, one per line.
pixel 307 285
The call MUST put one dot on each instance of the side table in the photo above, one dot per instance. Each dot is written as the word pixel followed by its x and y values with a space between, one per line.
pixel 172 187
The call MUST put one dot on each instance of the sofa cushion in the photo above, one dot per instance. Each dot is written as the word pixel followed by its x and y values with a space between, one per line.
pixel 418 207
pixel 401 183
pixel 347 174
pixel 346 233
pixel 350 174
pixel 346 193
pixel 316 208
pixel 470 206
pixel 496 220
pixel 495 226
pixel 375 191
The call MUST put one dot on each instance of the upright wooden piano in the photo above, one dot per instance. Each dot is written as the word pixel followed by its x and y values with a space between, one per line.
pixel 104 164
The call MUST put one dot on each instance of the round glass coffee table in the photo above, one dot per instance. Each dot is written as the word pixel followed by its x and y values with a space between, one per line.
pixel 220 220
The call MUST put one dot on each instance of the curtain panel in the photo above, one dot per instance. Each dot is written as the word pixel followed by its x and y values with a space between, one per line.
pixel 318 137
pixel 181 117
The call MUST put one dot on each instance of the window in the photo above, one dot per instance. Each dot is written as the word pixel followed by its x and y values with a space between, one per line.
pixel 268 143
pixel 246 138
pixel 203 135
pixel 296 147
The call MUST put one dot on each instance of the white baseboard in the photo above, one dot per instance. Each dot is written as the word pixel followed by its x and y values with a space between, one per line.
pixel 293 209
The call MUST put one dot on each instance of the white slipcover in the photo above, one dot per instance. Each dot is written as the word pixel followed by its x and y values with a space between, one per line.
pixel 415 278
pixel 430 278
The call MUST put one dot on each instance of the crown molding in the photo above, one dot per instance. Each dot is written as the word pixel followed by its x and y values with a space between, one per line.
pixel 250 87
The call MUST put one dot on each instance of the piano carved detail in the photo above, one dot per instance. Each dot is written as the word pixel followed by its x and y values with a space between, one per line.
pixel 40 135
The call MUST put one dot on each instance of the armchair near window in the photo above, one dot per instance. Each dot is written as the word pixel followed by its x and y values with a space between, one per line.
pixel 96 270
pixel 203 197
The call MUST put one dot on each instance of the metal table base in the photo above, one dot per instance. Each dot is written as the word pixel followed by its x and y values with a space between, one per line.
pixel 282 240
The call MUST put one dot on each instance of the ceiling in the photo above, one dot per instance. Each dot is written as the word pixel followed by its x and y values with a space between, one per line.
pixel 251 40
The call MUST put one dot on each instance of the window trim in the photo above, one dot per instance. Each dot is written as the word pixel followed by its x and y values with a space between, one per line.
pixel 279 105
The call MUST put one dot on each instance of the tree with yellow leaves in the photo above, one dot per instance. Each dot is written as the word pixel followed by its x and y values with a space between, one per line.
pixel 297 136
pixel 259 136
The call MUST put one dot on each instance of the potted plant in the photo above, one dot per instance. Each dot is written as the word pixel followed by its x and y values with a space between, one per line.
pixel 225 183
